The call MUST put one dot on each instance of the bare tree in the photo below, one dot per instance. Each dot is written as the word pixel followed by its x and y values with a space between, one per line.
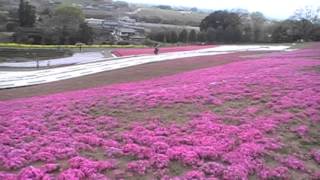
pixel 258 20
pixel 308 13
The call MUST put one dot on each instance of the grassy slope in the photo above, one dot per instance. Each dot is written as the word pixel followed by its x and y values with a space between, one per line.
pixel 170 15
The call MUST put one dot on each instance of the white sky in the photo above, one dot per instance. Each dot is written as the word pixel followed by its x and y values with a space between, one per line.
pixel 279 9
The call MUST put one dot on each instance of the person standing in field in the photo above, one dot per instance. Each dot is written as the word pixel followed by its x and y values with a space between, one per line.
pixel 156 50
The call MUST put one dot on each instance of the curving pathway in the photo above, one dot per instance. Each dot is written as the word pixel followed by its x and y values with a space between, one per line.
pixel 77 58
pixel 13 79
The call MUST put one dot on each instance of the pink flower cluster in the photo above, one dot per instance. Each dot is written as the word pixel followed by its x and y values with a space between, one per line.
pixel 229 122
pixel 293 163
pixel 275 173
pixel 316 155
pixel 302 130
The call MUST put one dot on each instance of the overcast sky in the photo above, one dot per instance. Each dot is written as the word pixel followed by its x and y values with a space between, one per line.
pixel 278 9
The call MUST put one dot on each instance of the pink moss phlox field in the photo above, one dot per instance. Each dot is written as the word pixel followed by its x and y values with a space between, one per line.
pixel 257 118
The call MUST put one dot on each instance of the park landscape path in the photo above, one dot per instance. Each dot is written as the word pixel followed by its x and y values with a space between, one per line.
pixel 77 58
pixel 13 79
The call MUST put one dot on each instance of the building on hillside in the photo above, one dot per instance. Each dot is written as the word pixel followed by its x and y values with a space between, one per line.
pixel 139 29
pixel 138 38
pixel 107 7
pixel 95 23
pixel 90 7
pixel 121 29
pixel 185 12
pixel 127 19
pixel 110 26
pixel 54 2
pixel 121 33
pixel 77 5
pixel 128 34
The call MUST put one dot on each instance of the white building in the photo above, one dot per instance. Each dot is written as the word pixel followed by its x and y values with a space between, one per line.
pixel 94 22
pixel 121 29
pixel 124 33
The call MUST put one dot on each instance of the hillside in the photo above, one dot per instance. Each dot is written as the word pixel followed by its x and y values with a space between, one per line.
pixel 155 15
pixel 100 9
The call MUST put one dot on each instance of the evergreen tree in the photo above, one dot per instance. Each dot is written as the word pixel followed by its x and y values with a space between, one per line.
pixel 174 37
pixel 85 33
pixel 66 26
pixel 21 13
pixel 193 36
pixel 183 36
pixel 64 36
pixel 202 37
pixel 27 14
pixel 168 37
pixel 211 35
pixel 30 12
pixel 157 36
pixel 171 37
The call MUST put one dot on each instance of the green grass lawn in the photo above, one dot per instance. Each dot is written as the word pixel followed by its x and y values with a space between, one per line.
pixel 20 55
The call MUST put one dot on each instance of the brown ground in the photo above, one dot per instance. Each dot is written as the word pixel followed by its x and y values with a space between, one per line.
pixel 136 73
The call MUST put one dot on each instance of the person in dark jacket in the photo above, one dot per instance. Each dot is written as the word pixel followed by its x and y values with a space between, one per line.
pixel 156 50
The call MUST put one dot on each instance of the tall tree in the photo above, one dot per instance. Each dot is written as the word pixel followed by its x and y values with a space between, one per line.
pixel 68 16
pixel 224 23
pixel 285 32
pixel 247 33
pixel 258 21
pixel 211 35
pixel 202 36
pixel 85 34
pixel 27 14
pixel 183 36
pixel 193 36
pixel 66 24
pixel 309 13
pixel 174 37
pixel 316 33
pixel 3 18
pixel 305 28
pixel 21 12
pixel 30 14
pixel 159 36
pixel 171 37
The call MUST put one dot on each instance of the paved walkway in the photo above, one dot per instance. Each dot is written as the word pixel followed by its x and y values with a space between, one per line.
pixel 12 79
pixel 77 58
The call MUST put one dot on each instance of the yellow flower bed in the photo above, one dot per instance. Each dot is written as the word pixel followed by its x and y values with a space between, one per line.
pixel 15 45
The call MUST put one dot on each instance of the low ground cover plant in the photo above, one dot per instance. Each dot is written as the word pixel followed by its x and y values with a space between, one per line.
pixel 256 119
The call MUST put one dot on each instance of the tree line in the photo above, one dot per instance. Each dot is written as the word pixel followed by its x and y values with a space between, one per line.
pixel 63 25
pixel 66 25
pixel 240 26
pixel 172 36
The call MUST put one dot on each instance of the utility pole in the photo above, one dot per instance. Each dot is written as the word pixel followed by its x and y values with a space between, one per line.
pixel 36 59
